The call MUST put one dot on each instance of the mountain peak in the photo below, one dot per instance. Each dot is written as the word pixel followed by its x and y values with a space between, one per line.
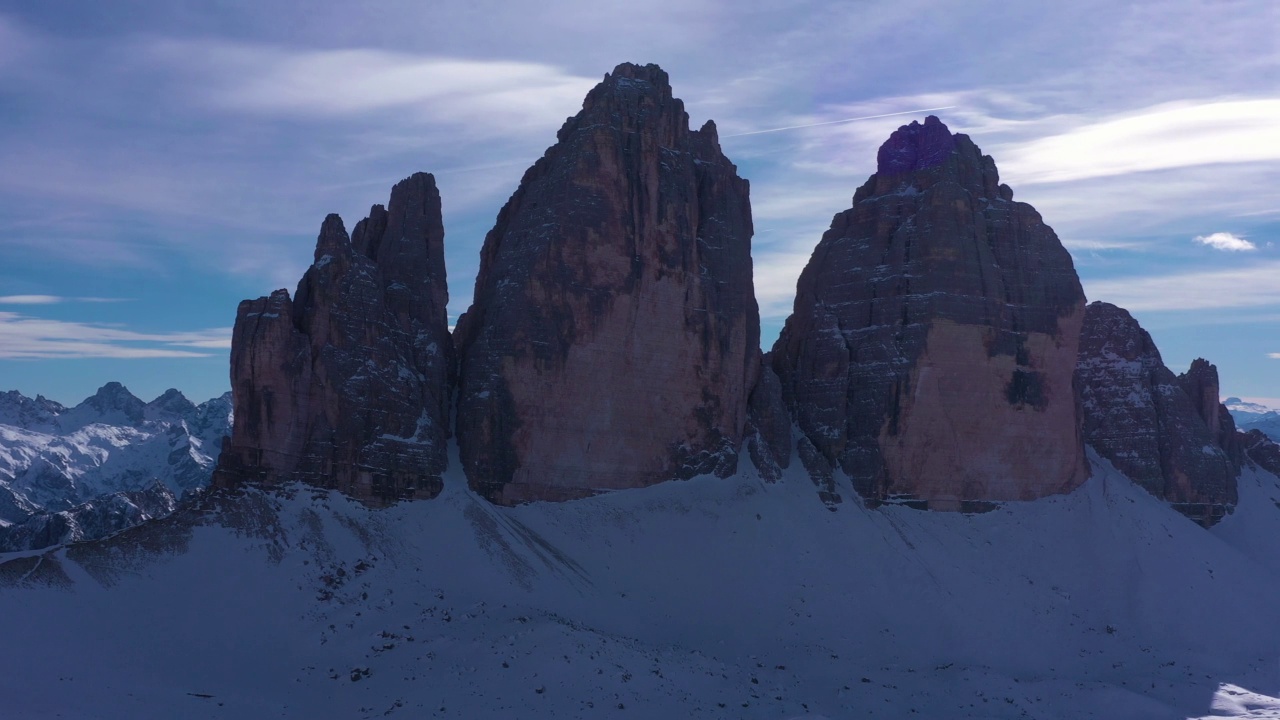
pixel 20 410
pixel 648 73
pixel 114 395
pixel 112 403
pixel 915 147
pixel 632 98
pixel 172 401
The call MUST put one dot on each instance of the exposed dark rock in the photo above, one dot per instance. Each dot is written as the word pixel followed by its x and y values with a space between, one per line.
pixel 1137 414
pixel 614 336
pixel 1262 450
pixel 768 425
pixel 932 344
pixel 348 385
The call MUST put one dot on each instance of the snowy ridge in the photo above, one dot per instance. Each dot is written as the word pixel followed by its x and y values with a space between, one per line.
pixel 99 462
pixel 709 598
pixel 1255 416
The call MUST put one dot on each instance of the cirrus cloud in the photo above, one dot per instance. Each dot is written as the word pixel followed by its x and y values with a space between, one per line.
pixel 481 95
pixel 23 337
pixel 1169 135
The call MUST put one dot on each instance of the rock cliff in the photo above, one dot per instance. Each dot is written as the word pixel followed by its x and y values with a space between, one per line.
pixel 933 339
pixel 1139 415
pixel 768 425
pixel 1262 450
pixel 347 385
pixel 614 335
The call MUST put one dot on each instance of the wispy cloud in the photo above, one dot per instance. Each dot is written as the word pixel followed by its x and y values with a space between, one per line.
pixel 1169 135
pixel 1225 241
pixel 25 337
pixel 481 94
pixel 1096 245
pixel 840 121
pixel 52 299
pixel 29 299
pixel 1253 286
pixel 1274 356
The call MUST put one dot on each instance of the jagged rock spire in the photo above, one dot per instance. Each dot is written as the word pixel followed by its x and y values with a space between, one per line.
pixel 347 384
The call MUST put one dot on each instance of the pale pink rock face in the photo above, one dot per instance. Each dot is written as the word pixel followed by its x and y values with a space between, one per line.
pixel 960 439
pixel 934 336
pixel 614 339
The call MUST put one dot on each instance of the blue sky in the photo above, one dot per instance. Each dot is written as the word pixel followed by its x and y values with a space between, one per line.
pixel 161 161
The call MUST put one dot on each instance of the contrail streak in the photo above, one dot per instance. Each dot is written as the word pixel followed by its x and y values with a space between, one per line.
pixel 836 122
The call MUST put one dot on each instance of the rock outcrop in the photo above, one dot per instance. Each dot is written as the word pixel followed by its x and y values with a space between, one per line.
pixel 933 340
pixel 1200 383
pixel 1137 414
pixel 614 335
pixel 1262 450
pixel 768 425
pixel 347 385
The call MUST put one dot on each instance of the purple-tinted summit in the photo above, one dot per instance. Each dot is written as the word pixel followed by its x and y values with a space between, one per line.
pixel 915 147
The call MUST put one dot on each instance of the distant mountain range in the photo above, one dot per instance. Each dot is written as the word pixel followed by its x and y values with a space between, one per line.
pixel 106 464
pixel 1254 416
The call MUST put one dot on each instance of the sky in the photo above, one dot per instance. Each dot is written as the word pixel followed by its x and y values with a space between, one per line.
pixel 161 161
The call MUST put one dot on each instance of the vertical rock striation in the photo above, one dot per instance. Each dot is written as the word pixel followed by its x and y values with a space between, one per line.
pixel 1163 431
pixel 614 335
pixel 347 385
pixel 933 339
pixel 768 439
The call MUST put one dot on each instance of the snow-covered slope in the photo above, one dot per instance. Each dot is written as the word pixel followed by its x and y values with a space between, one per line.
pixel 709 598
pixel 80 461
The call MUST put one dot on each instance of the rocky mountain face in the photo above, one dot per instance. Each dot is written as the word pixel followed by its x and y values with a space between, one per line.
pixel 1200 383
pixel 1262 450
pixel 1165 432
pixel 106 464
pixel 614 337
pixel 933 340
pixel 347 384
pixel 768 424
